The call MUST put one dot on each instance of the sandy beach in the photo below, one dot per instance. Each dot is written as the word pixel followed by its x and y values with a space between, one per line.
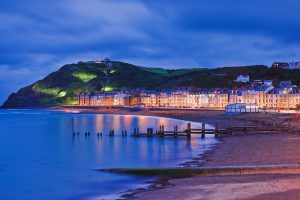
pixel 246 150
pixel 241 151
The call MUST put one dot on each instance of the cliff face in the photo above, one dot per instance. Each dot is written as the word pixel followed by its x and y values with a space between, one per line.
pixel 61 87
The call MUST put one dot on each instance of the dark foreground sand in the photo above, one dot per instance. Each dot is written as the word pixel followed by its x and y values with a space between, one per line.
pixel 241 151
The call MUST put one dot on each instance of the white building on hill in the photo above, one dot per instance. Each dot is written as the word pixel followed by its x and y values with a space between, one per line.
pixel 294 65
pixel 243 78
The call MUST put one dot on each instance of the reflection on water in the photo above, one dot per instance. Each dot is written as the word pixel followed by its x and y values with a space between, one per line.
pixel 41 159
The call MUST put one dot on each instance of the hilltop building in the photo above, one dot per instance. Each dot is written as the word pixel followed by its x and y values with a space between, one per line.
pixel 243 78
pixel 280 65
pixel 286 65
pixel 294 65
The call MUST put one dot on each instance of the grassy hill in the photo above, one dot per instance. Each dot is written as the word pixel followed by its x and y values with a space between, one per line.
pixel 62 86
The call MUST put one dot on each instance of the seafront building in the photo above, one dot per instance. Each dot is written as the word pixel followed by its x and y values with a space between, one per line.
pixel 261 93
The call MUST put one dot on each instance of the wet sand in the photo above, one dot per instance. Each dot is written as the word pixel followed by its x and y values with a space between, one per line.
pixel 241 151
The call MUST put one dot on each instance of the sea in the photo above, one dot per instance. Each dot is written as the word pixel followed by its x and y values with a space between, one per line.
pixel 41 158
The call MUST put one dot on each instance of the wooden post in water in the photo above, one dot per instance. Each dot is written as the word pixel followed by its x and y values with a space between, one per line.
pixel 216 130
pixel 111 133
pixel 73 130
pixel 162 131
pixel 245 127
pixel 289 124
pixel 149 132
pixel 135 132
pixel 188 133
pixel 203 130
pixel 175 131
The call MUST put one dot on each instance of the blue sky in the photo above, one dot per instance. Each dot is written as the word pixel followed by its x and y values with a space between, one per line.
pixel 37 37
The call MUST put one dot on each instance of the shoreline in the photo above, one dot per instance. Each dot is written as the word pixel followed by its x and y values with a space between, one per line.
pixel 194 115
pixel 161 181
pixel 256 149
pixel 285 143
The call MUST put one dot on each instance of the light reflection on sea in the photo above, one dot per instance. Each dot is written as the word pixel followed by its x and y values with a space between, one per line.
pixel 41 159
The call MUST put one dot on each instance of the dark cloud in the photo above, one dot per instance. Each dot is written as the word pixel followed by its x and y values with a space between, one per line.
pixel 37 37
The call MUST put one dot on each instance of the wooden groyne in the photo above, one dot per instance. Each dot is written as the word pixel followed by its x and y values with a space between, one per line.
pixel 203 131
pixel 208 170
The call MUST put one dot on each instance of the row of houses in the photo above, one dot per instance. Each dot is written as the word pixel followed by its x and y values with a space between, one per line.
pixel 264 96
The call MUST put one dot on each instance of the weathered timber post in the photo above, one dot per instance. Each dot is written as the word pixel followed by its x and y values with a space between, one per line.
pixel 245 127
pixel 175 131
pixel 149 132
pixel 217 130
pixel 162 132
pixel 289 124
pixel 188 134
pixel 203 130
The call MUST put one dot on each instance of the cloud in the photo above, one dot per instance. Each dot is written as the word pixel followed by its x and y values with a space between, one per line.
pixel 38 37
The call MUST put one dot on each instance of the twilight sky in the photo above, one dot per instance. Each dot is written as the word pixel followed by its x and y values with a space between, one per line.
pixel 38 37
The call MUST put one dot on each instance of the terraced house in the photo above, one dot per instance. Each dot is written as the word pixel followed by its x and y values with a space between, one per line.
pixel 262 94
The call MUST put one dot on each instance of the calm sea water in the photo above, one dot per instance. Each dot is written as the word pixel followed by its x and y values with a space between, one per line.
pixel 41 159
